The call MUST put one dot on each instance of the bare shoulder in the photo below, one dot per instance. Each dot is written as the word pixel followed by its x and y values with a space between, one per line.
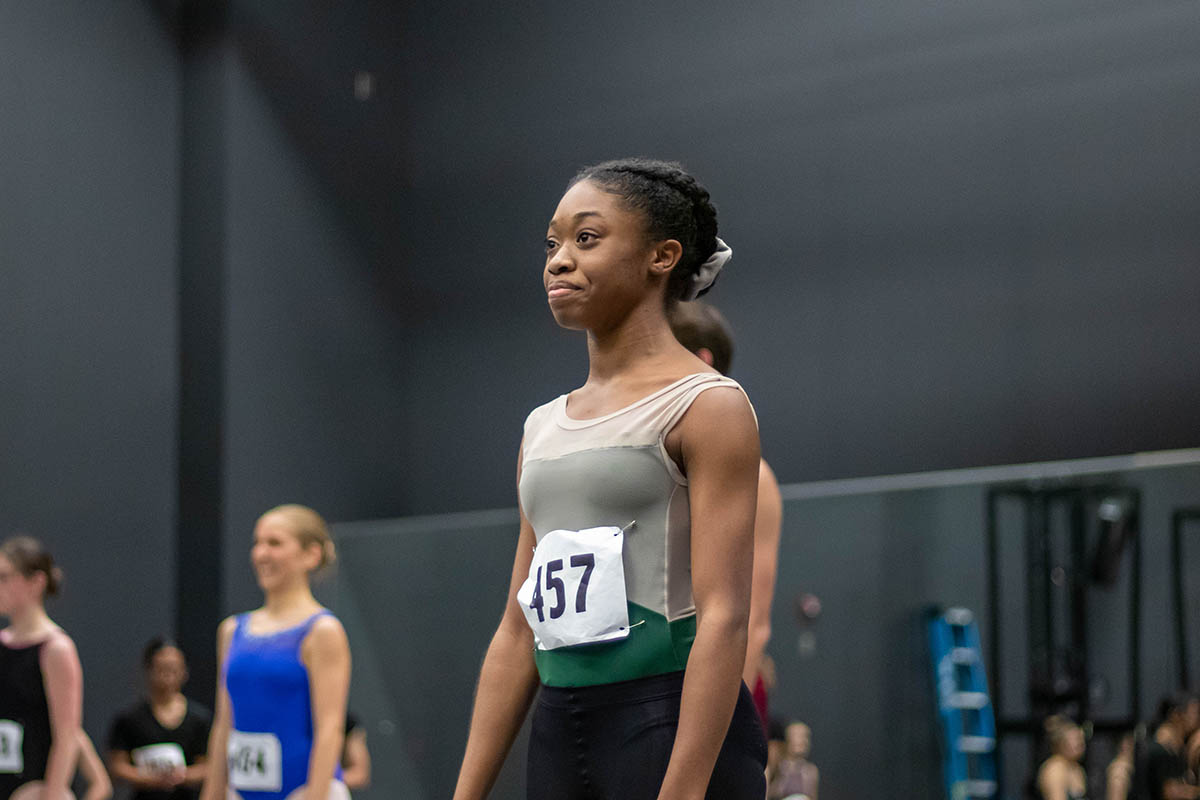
pixel 225 629
pixel 327 633
pixel 1052 770
pixel 720 407
pixel 59 648
pixel 225 637
pixel 326 625
pixel 724 399
pixel 720 432
pixel 60 665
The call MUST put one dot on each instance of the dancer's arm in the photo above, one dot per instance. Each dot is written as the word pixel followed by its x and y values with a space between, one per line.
pixel 507 682
pixel 718 443
pixel 326 654
pixel 63 679
pixel 122 769
pixel 195 773
pixel 767 521
pixel 1117 785
pixel 356 760
pixel 99 785
pixel 1175 789
pixel 216 781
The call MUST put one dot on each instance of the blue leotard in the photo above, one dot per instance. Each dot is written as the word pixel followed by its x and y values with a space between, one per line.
pixel 270 697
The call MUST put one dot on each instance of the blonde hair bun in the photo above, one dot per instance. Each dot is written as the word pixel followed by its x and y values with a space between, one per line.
pixel 310 529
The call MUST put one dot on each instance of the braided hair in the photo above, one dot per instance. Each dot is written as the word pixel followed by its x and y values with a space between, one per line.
pixel 673 204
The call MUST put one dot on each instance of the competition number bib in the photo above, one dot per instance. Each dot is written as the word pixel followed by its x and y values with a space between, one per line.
pixel 255 762
pixel 575 593
pixel 158 759
pixel 12 735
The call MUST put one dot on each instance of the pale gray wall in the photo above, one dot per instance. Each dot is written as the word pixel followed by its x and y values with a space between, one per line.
pixel 963 232
pixel 316 400
pixel 89 132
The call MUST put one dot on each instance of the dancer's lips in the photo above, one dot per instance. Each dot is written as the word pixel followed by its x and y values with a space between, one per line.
pixel 560 289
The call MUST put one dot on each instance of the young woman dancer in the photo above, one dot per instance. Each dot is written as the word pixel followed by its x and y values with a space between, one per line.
pixel 41 682
pixel 1061 776
pixel 284 676
pixel 158 746
pixel 638 491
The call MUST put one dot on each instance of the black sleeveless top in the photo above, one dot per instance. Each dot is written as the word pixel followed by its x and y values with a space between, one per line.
pixel 24 717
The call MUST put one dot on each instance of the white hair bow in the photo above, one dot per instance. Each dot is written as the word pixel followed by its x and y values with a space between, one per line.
pixel 708 271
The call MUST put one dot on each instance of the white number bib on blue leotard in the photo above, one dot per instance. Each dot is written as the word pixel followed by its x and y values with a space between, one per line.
pixel 575 593
pixel 12 735
pixel 255 762
pixel 157 759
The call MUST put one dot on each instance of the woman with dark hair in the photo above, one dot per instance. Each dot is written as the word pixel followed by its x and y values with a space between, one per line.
pixel 1061 776
pixel 630 590
pixel 1164 767
pixel 280 722
pixel 41 682
pixel 158 746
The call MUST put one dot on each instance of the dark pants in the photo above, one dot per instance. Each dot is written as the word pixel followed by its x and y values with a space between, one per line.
pixel 613 742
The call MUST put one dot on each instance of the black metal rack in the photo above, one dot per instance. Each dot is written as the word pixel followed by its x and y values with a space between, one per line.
pixel 1178 521
pixel 1046 639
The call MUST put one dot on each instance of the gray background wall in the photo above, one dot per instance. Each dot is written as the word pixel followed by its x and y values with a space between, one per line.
pixel 965 235
pixel 89 165
pixel 962 230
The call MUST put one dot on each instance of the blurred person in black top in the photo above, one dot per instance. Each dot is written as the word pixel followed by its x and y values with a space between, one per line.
pixel 158 746
pixel 41 681
pixel 1164 768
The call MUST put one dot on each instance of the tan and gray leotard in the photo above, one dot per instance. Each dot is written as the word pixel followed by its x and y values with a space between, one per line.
pixel 611 470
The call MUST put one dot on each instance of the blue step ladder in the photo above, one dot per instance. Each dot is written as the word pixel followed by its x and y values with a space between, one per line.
pixel 964 706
